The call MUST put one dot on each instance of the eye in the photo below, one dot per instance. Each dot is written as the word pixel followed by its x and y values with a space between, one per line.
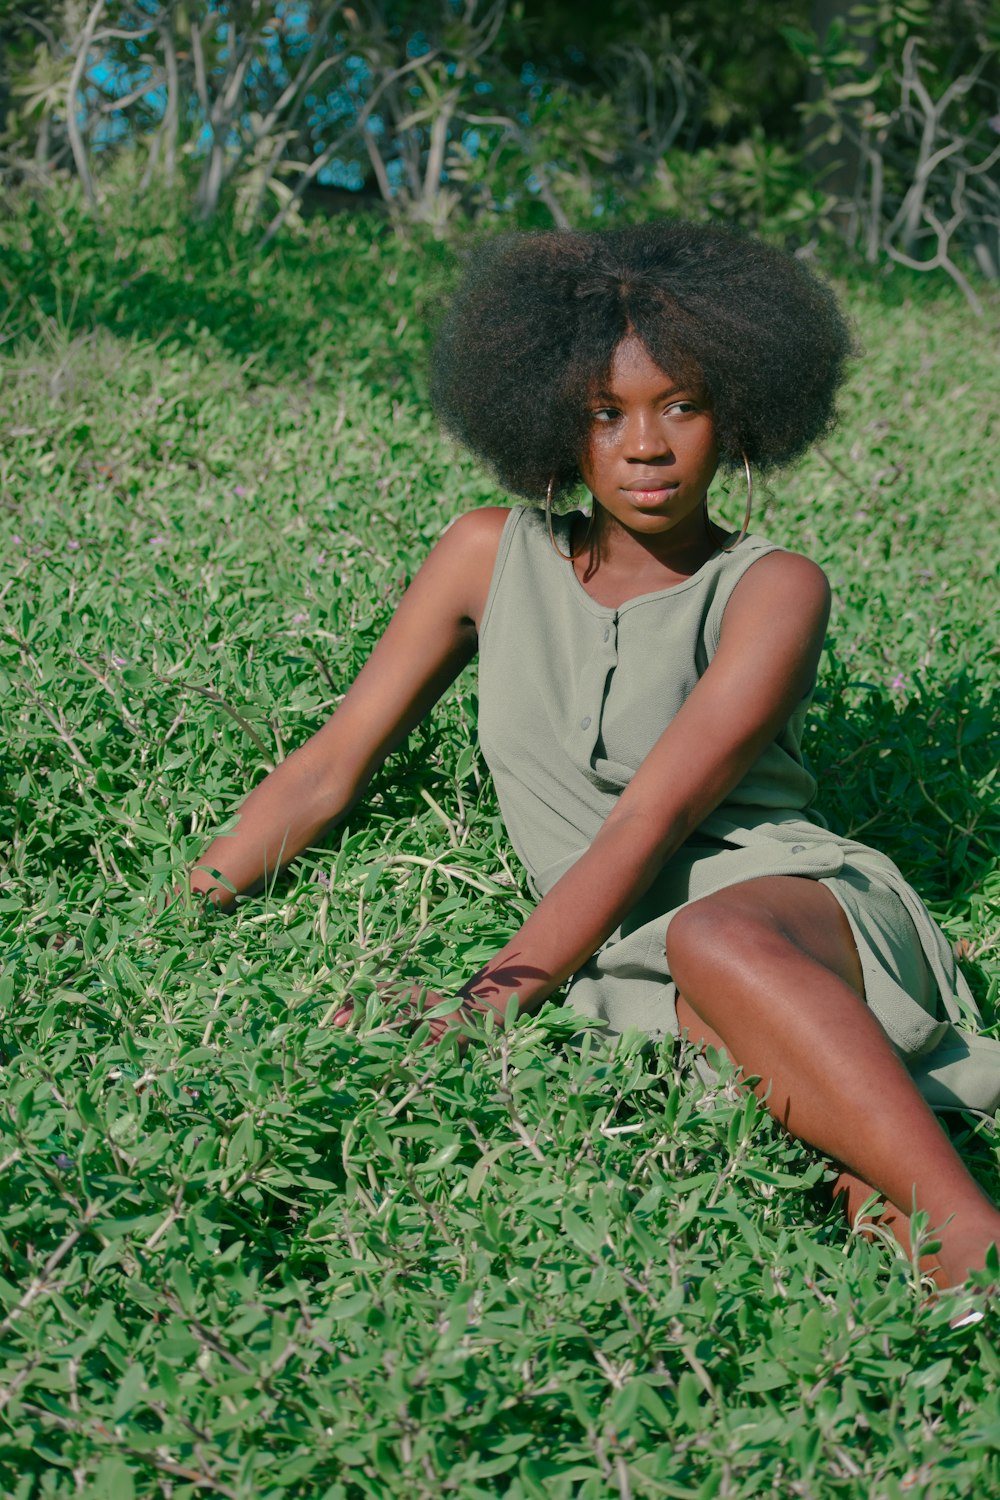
pixel 684 408
pixel 605 414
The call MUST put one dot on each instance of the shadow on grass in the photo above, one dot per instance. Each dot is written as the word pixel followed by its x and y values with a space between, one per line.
pixel 347 295
pixel 914 779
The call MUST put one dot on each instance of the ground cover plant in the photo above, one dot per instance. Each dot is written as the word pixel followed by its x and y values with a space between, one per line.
pixel 247 1254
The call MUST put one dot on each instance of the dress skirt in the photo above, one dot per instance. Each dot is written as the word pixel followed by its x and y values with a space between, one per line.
pixel 912 985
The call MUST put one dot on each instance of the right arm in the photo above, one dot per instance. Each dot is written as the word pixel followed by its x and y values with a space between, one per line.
pixel 430 638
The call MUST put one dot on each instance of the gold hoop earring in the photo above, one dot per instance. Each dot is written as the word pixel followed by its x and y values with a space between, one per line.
pixel 566 556
pixel 746 515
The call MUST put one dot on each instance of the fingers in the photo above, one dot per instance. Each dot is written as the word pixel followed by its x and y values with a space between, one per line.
pixel 410 1001
pixel 413 1004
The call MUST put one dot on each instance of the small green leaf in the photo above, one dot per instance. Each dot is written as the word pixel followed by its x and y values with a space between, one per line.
pixel 443 1157
pixel 129 1392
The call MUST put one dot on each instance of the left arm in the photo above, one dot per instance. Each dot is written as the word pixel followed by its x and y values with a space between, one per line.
pixel 769 648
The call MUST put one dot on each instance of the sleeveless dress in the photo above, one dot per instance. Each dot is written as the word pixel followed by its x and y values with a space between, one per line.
pixel 572 696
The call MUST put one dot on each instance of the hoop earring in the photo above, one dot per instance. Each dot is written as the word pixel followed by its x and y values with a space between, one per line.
pixel 566 556
pixel 746 515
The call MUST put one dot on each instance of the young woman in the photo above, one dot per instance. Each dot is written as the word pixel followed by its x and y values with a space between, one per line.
pixel 644 676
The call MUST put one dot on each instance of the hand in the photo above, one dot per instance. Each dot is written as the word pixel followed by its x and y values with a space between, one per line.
pixel 414 1000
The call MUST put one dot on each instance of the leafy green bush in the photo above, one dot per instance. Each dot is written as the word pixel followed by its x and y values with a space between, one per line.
pixel 757 184
pixel 247 1254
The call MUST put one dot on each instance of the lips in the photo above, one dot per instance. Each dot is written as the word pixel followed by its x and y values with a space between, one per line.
pixel 651 495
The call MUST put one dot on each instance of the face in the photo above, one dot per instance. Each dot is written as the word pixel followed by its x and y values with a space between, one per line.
pixel 651 452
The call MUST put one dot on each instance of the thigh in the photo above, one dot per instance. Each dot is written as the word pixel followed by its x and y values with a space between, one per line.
pixel 721 931
pixel 724 928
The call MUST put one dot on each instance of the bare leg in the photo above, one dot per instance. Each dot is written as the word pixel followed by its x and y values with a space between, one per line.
pixel 769 969
pixel 852 1194
pixel 848 1190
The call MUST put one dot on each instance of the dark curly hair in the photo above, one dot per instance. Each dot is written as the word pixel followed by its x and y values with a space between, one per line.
pixel 537 318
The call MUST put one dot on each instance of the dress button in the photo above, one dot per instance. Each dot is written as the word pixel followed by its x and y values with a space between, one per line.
pixel 585 723
pixel 798 848
pixel 607 634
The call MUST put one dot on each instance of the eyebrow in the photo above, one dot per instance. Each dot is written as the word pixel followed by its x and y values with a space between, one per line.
pixel 606 395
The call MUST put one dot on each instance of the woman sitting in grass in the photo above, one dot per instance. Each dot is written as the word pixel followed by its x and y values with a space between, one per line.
pixel 643 678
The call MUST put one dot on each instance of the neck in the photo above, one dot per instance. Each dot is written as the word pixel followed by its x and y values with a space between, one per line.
pixel 610 546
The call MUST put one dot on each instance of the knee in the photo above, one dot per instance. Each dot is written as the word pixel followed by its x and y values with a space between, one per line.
pixel 719 935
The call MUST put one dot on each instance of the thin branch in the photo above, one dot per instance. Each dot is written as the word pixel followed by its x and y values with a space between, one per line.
pixel 319 162
pixel 234 714
pixel 93 1431
pixel 287 132
pixel 108 106
pixel 941 258
pixel 72 89
pixel 171 114
pixel 198 56
pixel 300 82
pixel 116 34
pixel 40 1282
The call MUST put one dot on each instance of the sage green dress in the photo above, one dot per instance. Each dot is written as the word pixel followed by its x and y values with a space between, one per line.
pixel 572 696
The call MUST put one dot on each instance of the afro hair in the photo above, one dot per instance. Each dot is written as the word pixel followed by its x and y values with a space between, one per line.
pixel 535 322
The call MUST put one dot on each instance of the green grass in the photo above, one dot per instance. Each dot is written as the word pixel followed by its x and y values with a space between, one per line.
pixel 246 1254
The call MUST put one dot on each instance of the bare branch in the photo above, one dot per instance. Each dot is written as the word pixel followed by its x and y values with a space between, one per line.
pixel 171 114
pixel 378 167
pixel 110 105
pixel 72 89
pixel 319 162
pixel 941 258
pixel 115 32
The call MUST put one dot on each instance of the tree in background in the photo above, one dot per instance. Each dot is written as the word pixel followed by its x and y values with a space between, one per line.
pixel 902 119
pixel 793 117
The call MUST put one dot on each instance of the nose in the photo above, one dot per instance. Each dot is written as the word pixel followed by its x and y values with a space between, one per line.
pixel 645 439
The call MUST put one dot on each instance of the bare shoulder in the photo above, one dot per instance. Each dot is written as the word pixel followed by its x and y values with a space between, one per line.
pixel 775 623
pixel 781 582
pixel 477 530
pixel 468 549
